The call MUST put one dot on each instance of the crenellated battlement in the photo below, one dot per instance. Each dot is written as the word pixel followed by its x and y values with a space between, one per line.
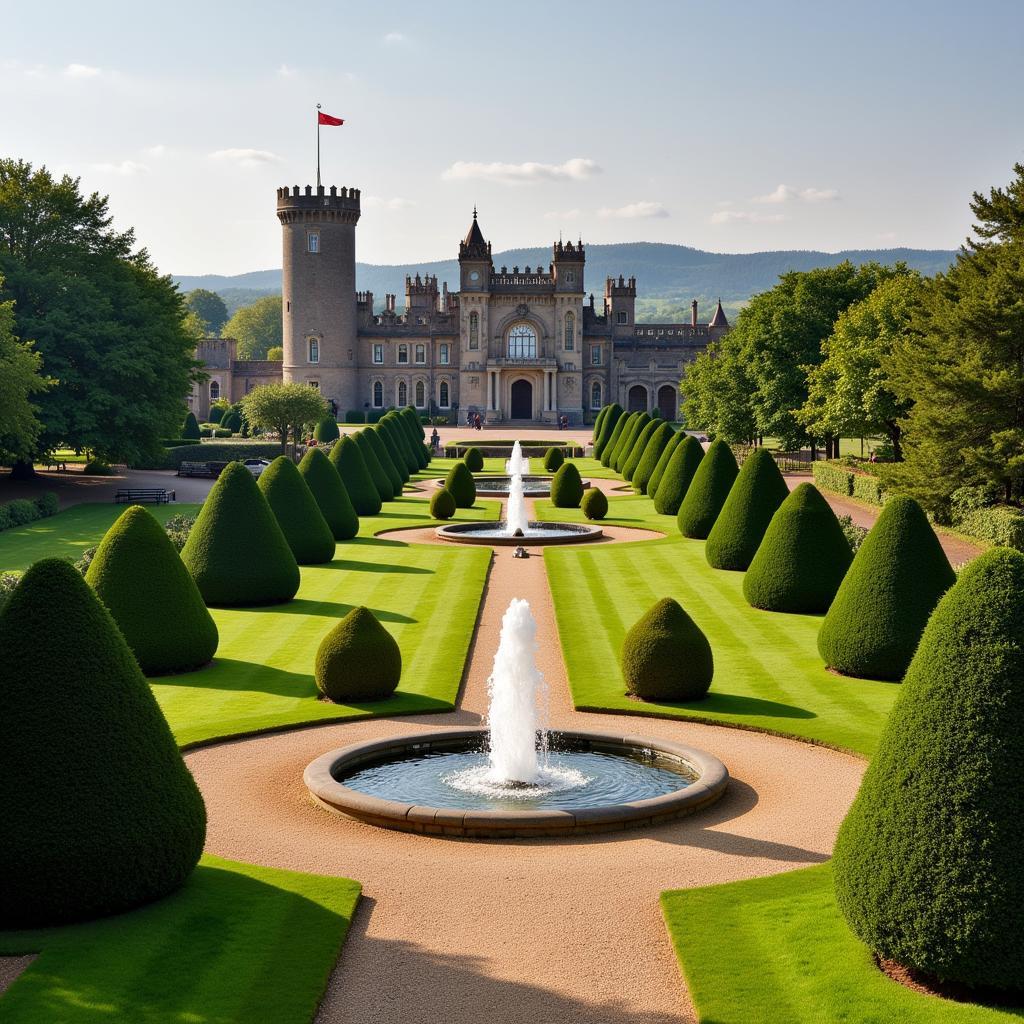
pixel 568 251
pixel 319 203
pixel 622 288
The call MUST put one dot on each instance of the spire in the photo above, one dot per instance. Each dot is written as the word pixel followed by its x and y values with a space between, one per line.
pixel 474 245
pixel 719 319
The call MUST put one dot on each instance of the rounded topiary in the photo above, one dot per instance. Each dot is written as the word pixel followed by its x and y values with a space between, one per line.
pixel 594 503
pixel 567 487
pixel 929 863
pixel 678 476
pixel 216 413
pixel 459 483
pixel 474 460
pixel 190 428
pixel 677 438
pixel 802 558
pixel 113 819
pixel 753 499
pixel 351 466
pixel 656 444
pixel 553 459
pixel 329 492
pixel 666 657
pixel 358 660
pixel 608 424
pixel 608 451
pixel 232 421
pixel 386 432
pixel 326 430
pixel 442 504
pixel 141 580
pixel 380 478
pixel 380 449
pixel 97 467
pixel 707 492
pixel 297 512
pixel 629 467
pixel 628 441
pixel 879 613
pixel 236 551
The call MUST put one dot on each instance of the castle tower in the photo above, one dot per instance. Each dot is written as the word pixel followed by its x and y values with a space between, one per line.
pixel 319 289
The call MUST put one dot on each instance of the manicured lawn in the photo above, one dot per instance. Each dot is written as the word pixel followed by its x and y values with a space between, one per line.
pixel 776 949
pixel 439 467
pixel 768 674
pixel 239 944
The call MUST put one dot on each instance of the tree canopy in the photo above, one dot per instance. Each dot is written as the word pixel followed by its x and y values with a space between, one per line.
pixel 257 328
pixel 285 408
pixel 20 380
pixel 209 308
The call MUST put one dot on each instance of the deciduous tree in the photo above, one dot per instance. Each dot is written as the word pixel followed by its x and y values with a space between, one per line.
pixel 286 408
pixel 257 328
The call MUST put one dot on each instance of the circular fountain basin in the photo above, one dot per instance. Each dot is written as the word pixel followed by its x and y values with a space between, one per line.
pixel 538 533
pixel 436 783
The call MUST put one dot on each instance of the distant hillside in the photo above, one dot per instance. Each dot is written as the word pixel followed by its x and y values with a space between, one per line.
pixel 668 276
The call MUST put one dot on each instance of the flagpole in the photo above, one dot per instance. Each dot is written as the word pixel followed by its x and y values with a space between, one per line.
pixel 318 147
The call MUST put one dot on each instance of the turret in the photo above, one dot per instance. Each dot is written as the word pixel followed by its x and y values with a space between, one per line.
pixel 620 304
pixel 475 259
pixel 719 320
pixel 567 266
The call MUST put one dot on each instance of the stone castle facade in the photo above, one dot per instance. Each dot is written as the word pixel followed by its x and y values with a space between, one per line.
pixel 520 344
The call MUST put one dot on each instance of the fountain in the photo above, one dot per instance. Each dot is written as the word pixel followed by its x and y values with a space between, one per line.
pixel 514 778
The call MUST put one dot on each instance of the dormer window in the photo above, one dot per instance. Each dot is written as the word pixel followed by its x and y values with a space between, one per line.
pixel 312 241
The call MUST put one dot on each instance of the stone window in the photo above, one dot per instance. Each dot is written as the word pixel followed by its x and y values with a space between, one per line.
pixel 421 394
pixel 313 241
pixel 314 384
pixel 442 395
pixel 403 357
pixel 421 354
pixel 474 330
pixel 522 342
pixel 595 395
pixel 623 317
pixel 214 390
pixel 403 394
pixel 378 354
pixel 314 350
pixel 570 277
pixel 378 394
pixel 570 332
pixel 595 355
pixel 443 355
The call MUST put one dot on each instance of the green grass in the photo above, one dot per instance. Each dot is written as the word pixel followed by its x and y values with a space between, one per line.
pixel 777 949
pixel 239 944
pixel 439 467
pixel 768 674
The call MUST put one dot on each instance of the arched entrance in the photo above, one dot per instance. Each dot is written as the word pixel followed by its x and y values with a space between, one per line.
pixel 637 398
pixel 667 402
pixel 522 400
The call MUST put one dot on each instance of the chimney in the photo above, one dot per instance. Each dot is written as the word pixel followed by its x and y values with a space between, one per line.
pixel 693 313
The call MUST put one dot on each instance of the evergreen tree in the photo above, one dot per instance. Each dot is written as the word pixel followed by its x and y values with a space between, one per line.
pixel 358 660
pixel 656 444
pixel 625 448
pixel 608 425
pixel 460 485
pixel 377 474
pixel 380 449
pixel 567 487
pixel 612 443
pixel 639 447
pixel 20 382
pixel 678 476
pixel 667 452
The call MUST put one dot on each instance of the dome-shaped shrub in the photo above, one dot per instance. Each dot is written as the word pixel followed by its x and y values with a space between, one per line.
pixel 628 442
pixel 358 660
pixel 236 551
pixel 297 512
pixel 608 425
pixel 386 432
pixel 395 478
pixel 380 478
pixel 594 503
pixel 567 487
pixel 608 452
pixel 677 438
pixel 553 458
pixel 190 428
pixel 929 863
pixel 232 421
pixel 666 657
pixel 459 483
pixel 652 454
pixel 391 422
pixel 474 460
pixel 442 504
pixel 329 492
pixel 707 492
pixel 351 466
pixel 216 414
pixel 142 581
pixel 326 430
pixel 802 558
pixel 100 814
pixel 639 447
pixel 879 613
pixel 757 492
pixel 678 476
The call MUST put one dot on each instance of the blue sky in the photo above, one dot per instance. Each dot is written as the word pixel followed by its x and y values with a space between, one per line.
pixel 734 126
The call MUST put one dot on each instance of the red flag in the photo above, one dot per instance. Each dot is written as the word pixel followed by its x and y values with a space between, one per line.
pixel 323 118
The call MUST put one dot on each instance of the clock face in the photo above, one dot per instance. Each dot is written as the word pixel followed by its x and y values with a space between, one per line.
pixel 474 276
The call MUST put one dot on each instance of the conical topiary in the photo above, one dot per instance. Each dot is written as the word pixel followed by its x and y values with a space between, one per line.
pixel 639 447
pixel 757 492
pixel 666 657
pixel 329 492
pixel 459 483
pixel 595 431
pixel 625 448
pixel 326 430
pixel 297 512
pixel 678 476
pixel 608 451
pixel 928 863
pixel 707 491
pixel 348 461
pixel 100 814
pixel 142 581
pixel 474 460
pixel 656 444
pixel 567 487
pixel 442 504
pixel 879 613
pixel 400 438
pixel 380 479
pixel 553 458
pixel 411 421
pixel 396 479
pixel 616 451
pixel 594 504
pixel 802 558
pixel 608 424
pixel 667 452
pixel 236 551
pixel 358 660
pixel 190 428
pixel 386 433
pixel 232 421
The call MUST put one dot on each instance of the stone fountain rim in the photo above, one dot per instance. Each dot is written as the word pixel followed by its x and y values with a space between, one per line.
pixel 461 533
pixel 319 777
pixel 484 491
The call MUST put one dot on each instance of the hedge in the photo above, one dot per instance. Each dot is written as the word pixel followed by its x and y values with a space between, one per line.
pixel 868 488
pixel 122 822
pixel 297 512
pixel 459 483
pixel 358 660
pixel 666 657
pixel 594 504
pixel 348 461
pixel 830 477
pixel 179 442
pixel 567 487
pixel 324 483
pixel 220 451
pixel 378 474
pixel 22 511
pixel 1000 524
pixel 656 444
pixel 929 863
pixel 707 492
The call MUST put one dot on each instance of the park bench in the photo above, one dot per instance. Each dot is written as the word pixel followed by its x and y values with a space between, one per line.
pixel 135 495
pixel 194 469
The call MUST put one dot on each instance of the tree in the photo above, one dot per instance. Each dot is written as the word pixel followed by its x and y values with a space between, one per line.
pixel 257 328
pixel 20 380
pixel 285 408
pixel 209 308
pixel 109 329
pixel 275 354
pixel 717 394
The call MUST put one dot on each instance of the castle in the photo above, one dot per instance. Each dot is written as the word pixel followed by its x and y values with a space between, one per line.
pixel 522 344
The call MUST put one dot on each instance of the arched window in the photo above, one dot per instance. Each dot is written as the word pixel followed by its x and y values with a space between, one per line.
pixel 214 390
pixel 522 342
pixel 421 394
pixel 442 395
pixel 595 395
pixel 474 330
pixel 403 394
pixel 378 395
pixel 570 332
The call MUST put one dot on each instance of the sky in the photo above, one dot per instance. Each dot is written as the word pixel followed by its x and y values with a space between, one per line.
pixel 732 126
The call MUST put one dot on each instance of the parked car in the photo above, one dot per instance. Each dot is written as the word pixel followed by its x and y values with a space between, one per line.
pixel 256 466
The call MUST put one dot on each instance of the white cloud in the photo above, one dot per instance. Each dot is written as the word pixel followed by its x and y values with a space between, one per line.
pixel 633 211
pixel 379 203
pixel 396 39
pixel 82 71
pixel 573 214
pixel 577 169
pixel 245 157
pixel 745 216
pixel 126 168
pixel 786 194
